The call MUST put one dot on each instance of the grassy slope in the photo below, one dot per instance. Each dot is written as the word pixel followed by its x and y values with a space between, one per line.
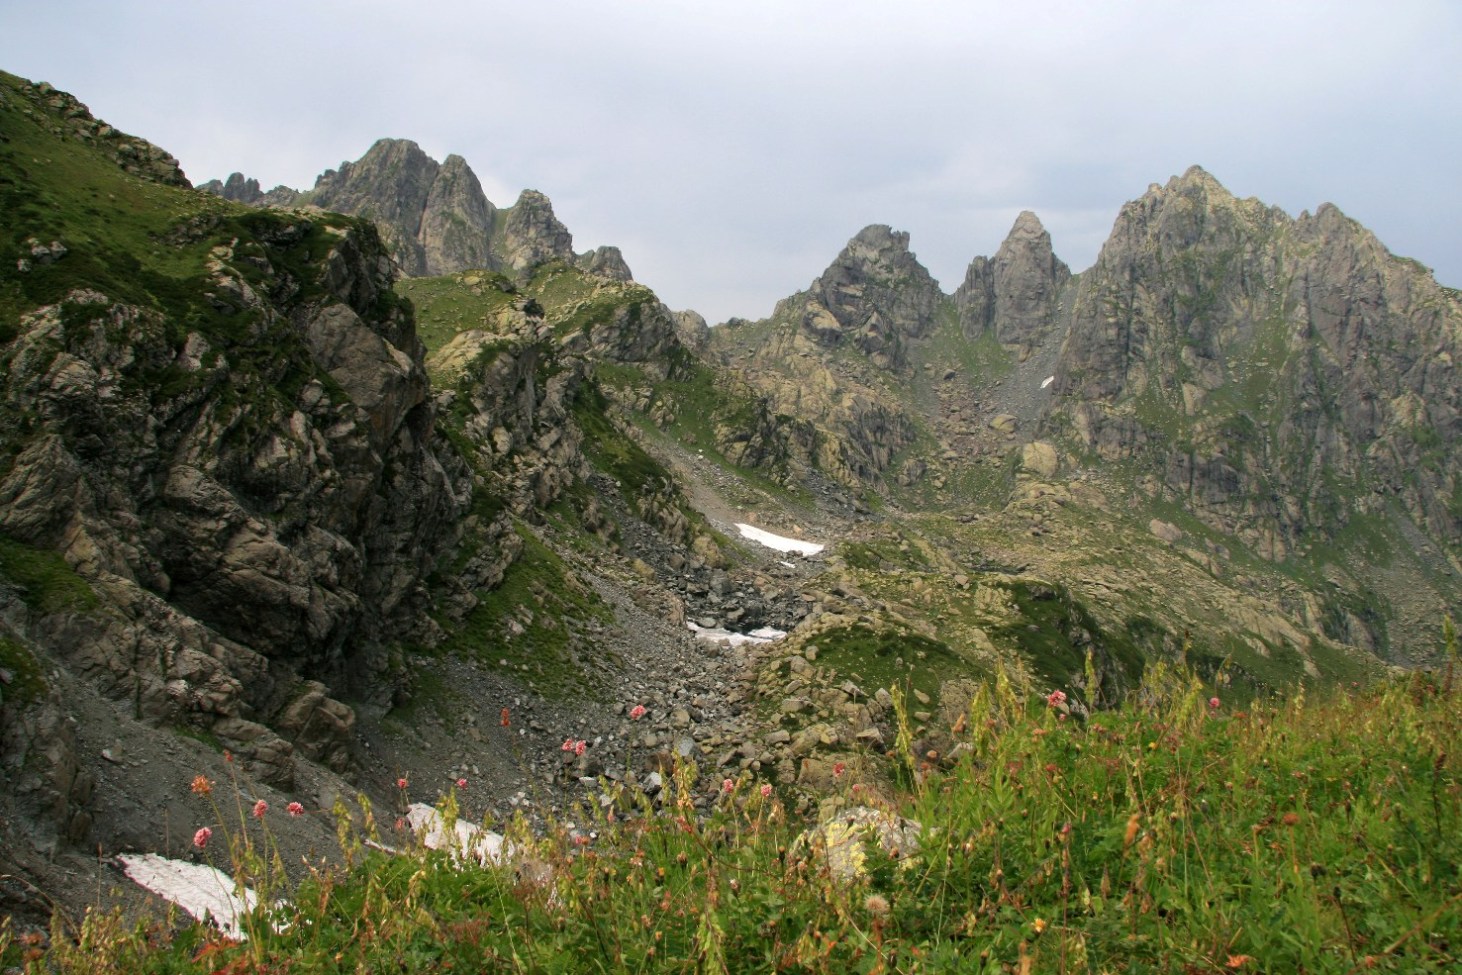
pixel 1178 835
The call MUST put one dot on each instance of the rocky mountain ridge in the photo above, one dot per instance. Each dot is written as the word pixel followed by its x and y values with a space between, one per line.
pixel 1175 310
pixel 434 216
pixel 1204 311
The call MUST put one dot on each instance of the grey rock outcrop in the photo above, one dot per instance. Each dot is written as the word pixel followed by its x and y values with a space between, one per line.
pixel 1016 294
pixel 532 235
pixel 873 296
pixel 267 519
pixel 605 262
pixel 695 333
pixel 390 185
pixel 457 220
pixel 237 188
pixel 1292 372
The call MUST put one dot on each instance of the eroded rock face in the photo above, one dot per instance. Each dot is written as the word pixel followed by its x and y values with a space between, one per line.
pixel 532 234
pixel 456 222
pixel 1016 294
pixel 391 185
pixel 256 518
pixel 517 400
pixel 1292 372
pixel 873 296
pixel 606 262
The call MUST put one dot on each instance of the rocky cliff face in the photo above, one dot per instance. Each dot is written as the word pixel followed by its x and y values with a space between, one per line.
pixel 1016 294
pixel 434 216
pixel 456 221
pixel 389 185
pixel 873 296
pixel 236 459
pixel 532 235
pixel 1283 375
pixel 304 488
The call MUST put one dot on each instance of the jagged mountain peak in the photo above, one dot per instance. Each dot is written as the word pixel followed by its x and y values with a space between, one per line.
pixel 392 146
pixel 606 262
pixel 533 234
pixel 1027 235
pixel 435 217
pixel 1027 224
pixel 874 293
pixel 534 199
pixel 1016 293
pixel 877 245
pixel 1187 210
pixel 876 252
pixel 1196 175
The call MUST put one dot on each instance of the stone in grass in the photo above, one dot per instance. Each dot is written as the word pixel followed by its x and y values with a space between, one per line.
pixel 841 841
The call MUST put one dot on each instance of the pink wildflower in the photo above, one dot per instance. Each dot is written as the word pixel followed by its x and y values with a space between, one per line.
pixel 1213 703
pixel 766 790
pixel 727 785
pixel 1055 698
pixel 201 838
pixel 295 809
pixel 838 769
pixel 637 712
pixel 401 782
pixel 201 786
pixel 579 746
pixel 461 783
pixel 260 808
pixel 567 746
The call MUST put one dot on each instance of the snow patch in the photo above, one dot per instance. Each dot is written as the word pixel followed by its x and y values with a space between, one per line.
pixel 765 634
pixel 466 840
pixel 778 542
pixel 206 893
pixel 1048 381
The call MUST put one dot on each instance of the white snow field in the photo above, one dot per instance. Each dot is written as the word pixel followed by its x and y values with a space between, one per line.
pixel 778 542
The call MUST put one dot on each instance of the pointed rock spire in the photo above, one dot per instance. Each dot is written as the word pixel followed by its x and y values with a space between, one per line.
pixel 1016 293
pixel 456 220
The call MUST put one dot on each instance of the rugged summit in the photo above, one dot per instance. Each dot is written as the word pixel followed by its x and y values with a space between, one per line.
pixel 1283 376
pixel 1016 294
pixel 434 216
pixel 872 296
pixel 456 221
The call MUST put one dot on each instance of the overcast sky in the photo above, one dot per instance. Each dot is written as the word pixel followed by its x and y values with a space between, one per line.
pixel 730 149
